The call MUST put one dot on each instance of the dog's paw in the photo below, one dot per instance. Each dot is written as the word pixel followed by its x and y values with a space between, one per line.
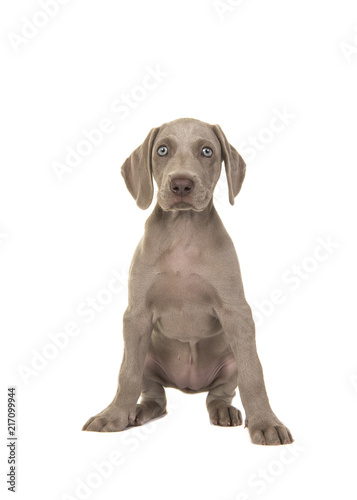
pixel 269 432
pixel 226 416
pixel 112 419
pixel 148 411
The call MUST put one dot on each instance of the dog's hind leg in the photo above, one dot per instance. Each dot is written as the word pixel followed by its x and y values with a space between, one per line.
pixel 152 403
pixel 219 399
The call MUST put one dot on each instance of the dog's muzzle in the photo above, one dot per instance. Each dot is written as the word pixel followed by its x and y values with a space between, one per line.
pixel 183 193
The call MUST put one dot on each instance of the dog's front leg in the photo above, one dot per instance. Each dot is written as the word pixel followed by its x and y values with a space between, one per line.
pixel 137 328
pixel 263 425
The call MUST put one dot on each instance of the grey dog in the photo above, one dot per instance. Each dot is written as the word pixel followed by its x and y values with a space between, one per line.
pixel 187 324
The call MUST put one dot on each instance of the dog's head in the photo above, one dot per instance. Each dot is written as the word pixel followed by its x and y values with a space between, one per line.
pixel 184 157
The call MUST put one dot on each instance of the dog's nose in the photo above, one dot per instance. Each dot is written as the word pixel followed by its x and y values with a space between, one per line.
pixel 182 187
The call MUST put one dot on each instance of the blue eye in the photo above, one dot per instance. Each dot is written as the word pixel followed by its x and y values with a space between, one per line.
pixel 162 151
pixel 207 152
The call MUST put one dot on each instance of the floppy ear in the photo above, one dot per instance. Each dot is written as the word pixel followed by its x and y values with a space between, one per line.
pixel 137 172
pixel 234 163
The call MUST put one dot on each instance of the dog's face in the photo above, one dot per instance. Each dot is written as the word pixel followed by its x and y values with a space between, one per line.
pixel 184 157
pixel 186 165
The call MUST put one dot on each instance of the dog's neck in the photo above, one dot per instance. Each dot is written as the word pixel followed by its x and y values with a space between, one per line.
pixel 179 227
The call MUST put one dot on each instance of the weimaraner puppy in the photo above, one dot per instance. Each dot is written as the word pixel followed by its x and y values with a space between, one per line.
pixel 188 324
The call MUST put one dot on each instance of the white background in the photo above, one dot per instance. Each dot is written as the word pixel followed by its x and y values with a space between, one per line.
pixel 60 241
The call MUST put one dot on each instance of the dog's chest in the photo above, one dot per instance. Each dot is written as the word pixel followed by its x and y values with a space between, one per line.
pixel 181 295
pixel 181 260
